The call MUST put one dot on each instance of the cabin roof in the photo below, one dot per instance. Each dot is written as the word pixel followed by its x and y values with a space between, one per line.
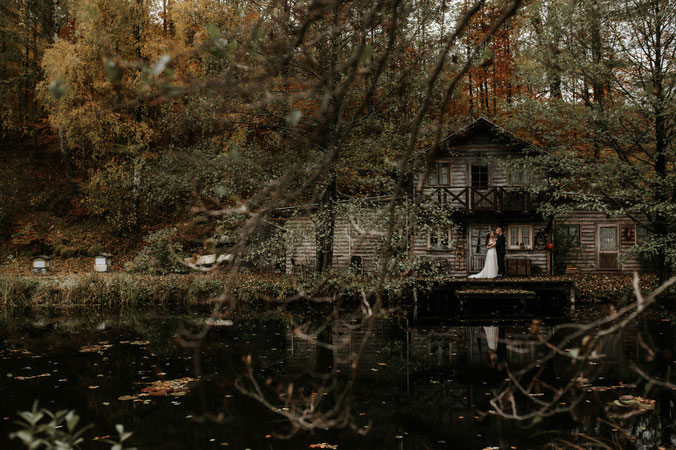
pixel 480 132
pixel 41 257
pixel 107 255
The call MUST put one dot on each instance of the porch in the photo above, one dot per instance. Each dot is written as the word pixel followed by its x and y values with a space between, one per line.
pixel 495 199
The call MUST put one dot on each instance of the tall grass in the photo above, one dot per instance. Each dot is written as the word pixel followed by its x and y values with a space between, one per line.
pixel 105 290
pixel 125 289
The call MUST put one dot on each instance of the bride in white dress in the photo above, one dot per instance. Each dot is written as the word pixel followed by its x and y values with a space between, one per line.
pixel 490 269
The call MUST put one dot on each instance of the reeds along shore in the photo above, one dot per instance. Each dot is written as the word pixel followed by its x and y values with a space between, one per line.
pixel 136 290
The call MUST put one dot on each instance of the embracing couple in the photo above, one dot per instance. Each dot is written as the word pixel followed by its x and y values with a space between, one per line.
pixel 495 257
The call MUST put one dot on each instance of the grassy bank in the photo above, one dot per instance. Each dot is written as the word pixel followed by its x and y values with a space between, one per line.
pixel 124 289
pixel 104 290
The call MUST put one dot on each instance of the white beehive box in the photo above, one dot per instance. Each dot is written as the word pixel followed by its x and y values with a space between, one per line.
pixel 40 264
pixel 103 262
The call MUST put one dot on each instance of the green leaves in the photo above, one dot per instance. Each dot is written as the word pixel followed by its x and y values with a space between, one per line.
pixel 214 31
pixel 51 434
pixel 365 53
pixel 123 436
pixel 220 46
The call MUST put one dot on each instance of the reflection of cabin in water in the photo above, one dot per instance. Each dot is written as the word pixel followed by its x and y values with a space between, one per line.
pixel 434 345
pixel 468 179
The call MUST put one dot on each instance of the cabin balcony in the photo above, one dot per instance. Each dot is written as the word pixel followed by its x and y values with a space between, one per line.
pixel 493 199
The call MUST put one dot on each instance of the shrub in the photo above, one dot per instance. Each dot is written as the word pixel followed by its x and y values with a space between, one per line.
pixel 156 256
pixel 109 195
pixel 59 430
pixel 564 247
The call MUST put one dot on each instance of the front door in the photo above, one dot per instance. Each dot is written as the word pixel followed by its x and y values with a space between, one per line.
pixel 608 247
pixel 477 247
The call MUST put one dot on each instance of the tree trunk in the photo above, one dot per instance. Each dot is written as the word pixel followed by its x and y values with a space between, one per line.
pixel 661 142
pixel 326 215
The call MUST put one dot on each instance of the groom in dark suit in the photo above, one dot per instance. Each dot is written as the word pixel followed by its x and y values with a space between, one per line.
pixel 501 250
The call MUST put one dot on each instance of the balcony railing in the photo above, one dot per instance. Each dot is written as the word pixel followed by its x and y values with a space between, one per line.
pixel 491 199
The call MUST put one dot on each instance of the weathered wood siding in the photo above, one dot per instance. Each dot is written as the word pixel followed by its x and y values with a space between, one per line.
pixel 585 257
pixel 347 242
pixel 461 166
pixel 458 256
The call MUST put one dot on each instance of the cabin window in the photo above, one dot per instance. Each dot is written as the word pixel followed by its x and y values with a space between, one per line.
pixel 571 233
pixel 518 178
pixel 520 237
pixel 479 176
pixel 439 174
pixel 642 234
pixel 438 238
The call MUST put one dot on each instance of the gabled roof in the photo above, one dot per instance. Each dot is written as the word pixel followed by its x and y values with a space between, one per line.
pixel 481 131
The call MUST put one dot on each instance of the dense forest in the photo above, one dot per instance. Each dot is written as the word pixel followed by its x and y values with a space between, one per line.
pixel 131 123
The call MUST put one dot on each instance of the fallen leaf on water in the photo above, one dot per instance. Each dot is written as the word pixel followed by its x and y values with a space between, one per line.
pixel 98 438
pixel 609 388
pixel 323 445
pixel 175 387
pixel 95 348
pixel 629 401
pixel 93 387
pixel 30 377
pixel 127 397
pixel 139 343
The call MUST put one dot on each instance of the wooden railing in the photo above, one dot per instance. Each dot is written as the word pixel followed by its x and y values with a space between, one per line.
pixel 494 198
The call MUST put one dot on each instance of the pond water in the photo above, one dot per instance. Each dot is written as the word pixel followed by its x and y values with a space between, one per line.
pixel 422 382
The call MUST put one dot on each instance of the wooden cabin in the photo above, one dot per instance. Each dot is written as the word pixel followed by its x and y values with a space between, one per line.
pixel 466 176
pixel 467 179
pixel 352 245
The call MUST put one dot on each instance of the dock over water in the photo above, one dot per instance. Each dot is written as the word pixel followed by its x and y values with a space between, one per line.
pixel 463 290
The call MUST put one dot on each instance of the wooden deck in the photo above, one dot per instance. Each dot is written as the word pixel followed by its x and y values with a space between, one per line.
pixel 466 289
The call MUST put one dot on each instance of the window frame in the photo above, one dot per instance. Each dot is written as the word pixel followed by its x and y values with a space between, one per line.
pixel 471 175
pixel 579 231
pixel 618 246
pixel 643 240
pixel 509 182
pixel 436 166
pixel 521 227
pixel 438 230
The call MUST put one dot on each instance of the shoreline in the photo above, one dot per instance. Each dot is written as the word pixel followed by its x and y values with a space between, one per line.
pixel 121 289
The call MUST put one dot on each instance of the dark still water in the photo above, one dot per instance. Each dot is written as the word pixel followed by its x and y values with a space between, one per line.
pixel 424 383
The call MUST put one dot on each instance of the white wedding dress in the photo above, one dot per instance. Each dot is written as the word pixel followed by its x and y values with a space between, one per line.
pixel 490 269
